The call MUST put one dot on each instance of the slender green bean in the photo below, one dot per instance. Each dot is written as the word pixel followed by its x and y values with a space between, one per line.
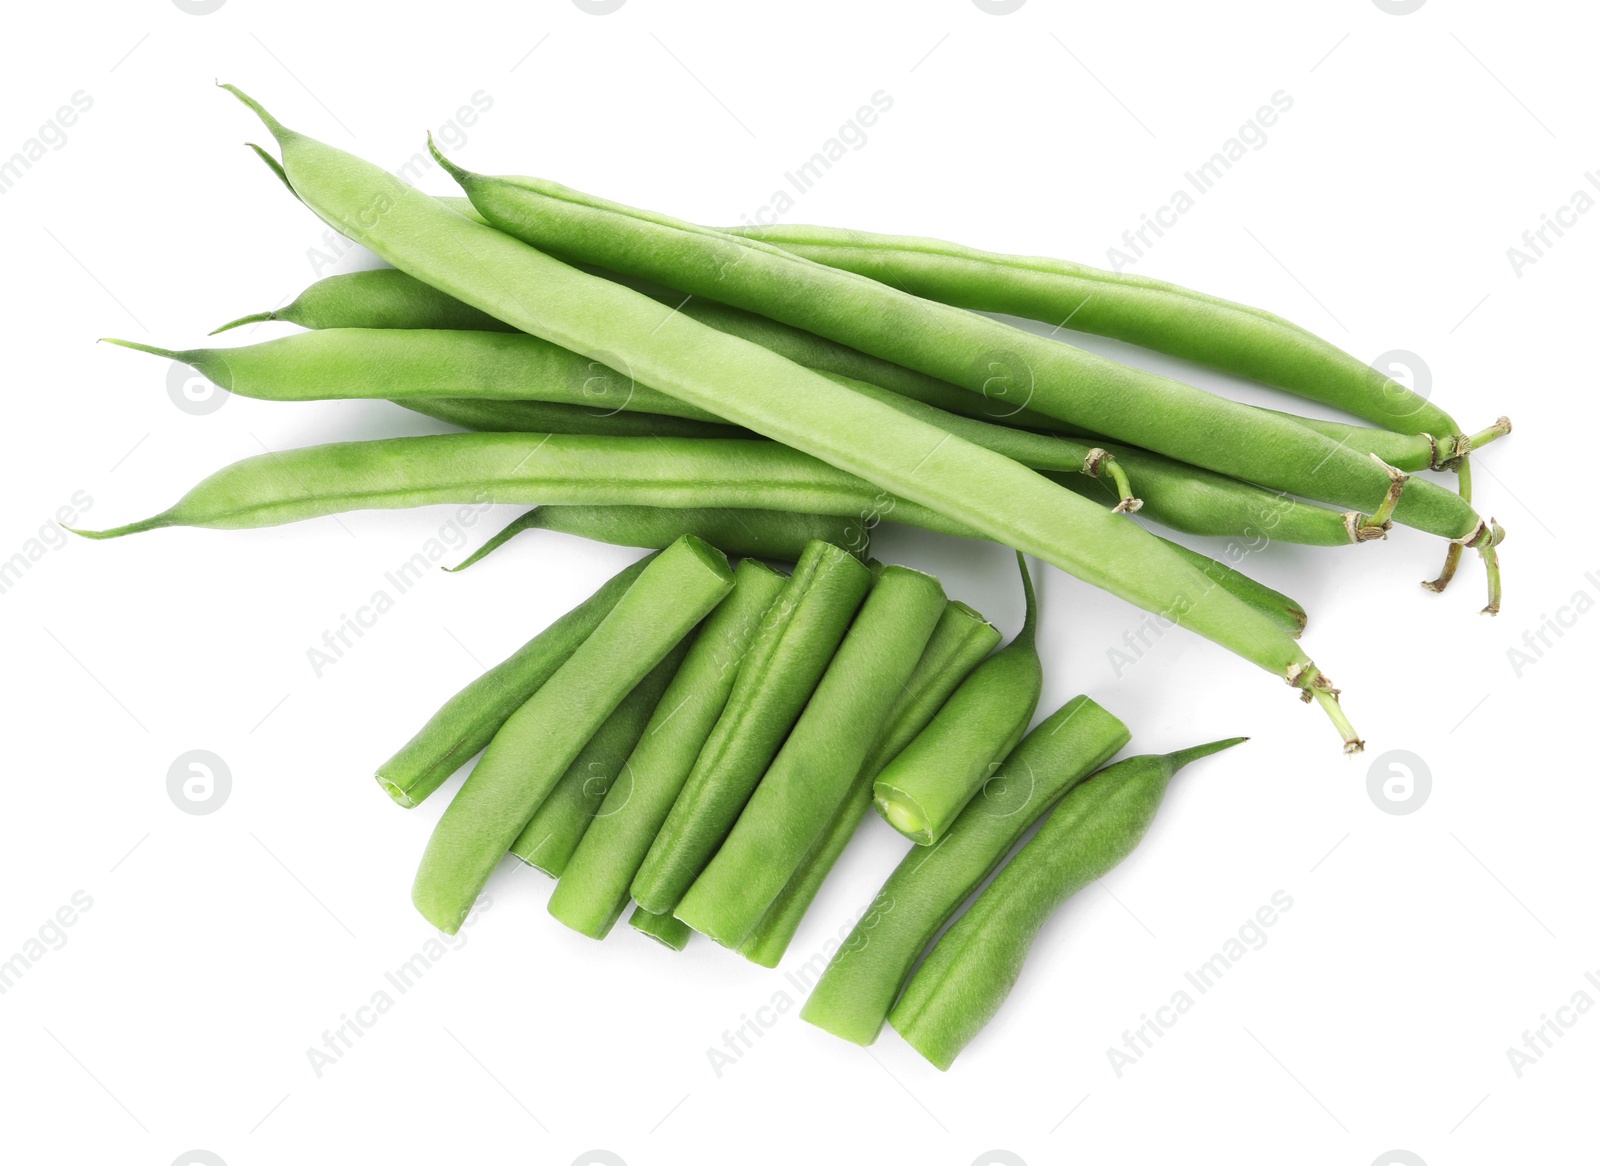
pixel 554 417
pixel 594 888
pixel 974 351
pixel 787 658
pixel 929 782
pixel 665 929
pixel 380 298
pixel 960 640
pixel 1151 313
pixel 374 363
pixel 790 809
pixel 906 458
pixel 971 970
pixel 779 535
pixel 551 836
pixel 860 984
pixel 469 720
pixel 537 743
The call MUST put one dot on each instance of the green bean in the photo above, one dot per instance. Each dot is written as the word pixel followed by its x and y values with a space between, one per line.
pixel 971 970
pixel 398 472
pixel 1164 317
pixel 548 840
pixel 594 888
pixel 665 929
pixel 1078 387
pixel 790 809
pixel 386 298
pixel 469 720
pixel 768 534
pixel 554 417
pixel 860 984
pixel 749 386
pixel 788 656
pixel 1286 612
pixel 374 363
pixel 928 783
pixel 960 640
pixel 534 747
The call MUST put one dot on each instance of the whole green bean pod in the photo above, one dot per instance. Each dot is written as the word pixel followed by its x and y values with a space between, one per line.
pixel 971 970
pixel 960 640
pixel 779 535
pixel 469 720
pixel 537 743
pixel 377 363
pixel 378 298
pixel 1136 309
pixel 862 981
pixel 790 808
pixel 1287 612
pixel 551 836
pixel 788 656
pixel 594 888
pixel 553 417
pixel 665 929
pixel 1081 388
pixel 928 783
pixel 752 387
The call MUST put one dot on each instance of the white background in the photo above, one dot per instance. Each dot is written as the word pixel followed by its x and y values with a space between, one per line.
pixel 178 1011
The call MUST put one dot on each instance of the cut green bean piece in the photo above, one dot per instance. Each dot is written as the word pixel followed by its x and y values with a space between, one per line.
pixel 469 720
pixel 789 811
pixel 922 790
pixel 971 970
pixel 961 639
pixel 534 747
pixel 594 888
pixel 368 363
pixel 779 535
pixel 859 986
pixel 791 651
pixel 667 930
pixel 553 417
pixel 548 840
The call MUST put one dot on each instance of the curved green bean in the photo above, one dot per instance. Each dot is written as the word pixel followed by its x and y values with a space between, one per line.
pixel 377 363
pixel 594 888
pixel 537 743
pixel 971 970
pixel 1136 309
pixel 790 808
pixel 788 656
pixel 1127 404
pixel 928 783
pixel 860 984
pixel 469 720
pixel 780 535
pixel 777 398
pixel 551 836
pixel 960 640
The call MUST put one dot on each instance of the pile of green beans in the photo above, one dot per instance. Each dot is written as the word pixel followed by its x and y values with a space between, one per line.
pixel 704 735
